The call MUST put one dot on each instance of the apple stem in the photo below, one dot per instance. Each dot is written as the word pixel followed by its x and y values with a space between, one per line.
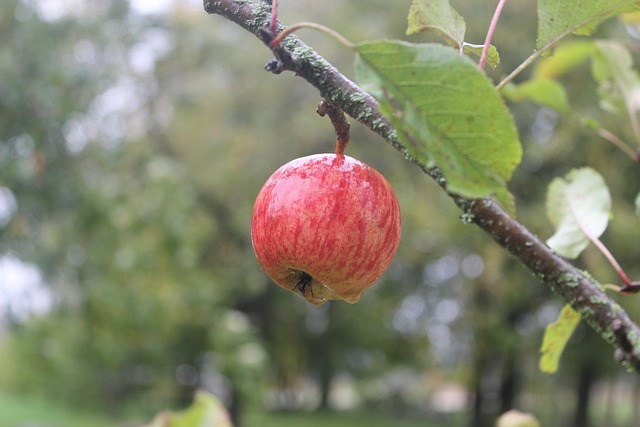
pixel 339 122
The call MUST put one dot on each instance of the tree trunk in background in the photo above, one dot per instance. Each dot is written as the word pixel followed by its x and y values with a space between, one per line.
pixel 476 387
pixel 481 354
pixel 235 408
pixel 477 413
pixel 609 418
pixel 635 398
pixel 509 383
pixel 586 379
pixel 326 375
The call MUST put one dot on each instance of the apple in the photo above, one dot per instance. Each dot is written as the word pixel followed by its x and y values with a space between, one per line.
pixel 326 226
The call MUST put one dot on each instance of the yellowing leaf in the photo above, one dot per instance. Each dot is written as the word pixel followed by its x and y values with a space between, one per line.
pixel 565 58
pixel 545 92
pixel 555 339
pixel 630 17
pixel 206 411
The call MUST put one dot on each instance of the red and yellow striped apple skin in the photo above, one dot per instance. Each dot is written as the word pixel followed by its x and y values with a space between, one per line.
pixel 331 217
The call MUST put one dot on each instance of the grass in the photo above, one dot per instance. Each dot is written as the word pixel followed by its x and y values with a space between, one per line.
pixel 18 411
pixel 26 411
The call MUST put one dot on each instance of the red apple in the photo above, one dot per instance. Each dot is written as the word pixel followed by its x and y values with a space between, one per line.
pixel 326 226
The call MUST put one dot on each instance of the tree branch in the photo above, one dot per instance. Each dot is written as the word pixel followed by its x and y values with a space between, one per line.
pixel 575 287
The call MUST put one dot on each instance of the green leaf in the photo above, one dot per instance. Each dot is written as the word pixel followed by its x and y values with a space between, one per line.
pixel 206 411
pixel 493 57
pixel 578 205
pixel 438 16
pixel 638 204
pixel 565 58
pixel 619 83
pixel 581 17
pixel 446 112
pixel 545 92
pixel 464 176
pixel 555 339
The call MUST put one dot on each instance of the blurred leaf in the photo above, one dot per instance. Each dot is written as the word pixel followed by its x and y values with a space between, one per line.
pixel 565 58
pixel 545 92
pixel 619 83
pixel 581 17
pixel 493 57
pixel 206 411
pixel 631 22
pixel 630 17
pixel 577 203
pixel 438 16
pixel 514 418
pixel 638 204
pixel 447 113
pixel 555 339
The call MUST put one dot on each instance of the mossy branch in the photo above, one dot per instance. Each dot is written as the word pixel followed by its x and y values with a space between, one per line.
pixel 575 287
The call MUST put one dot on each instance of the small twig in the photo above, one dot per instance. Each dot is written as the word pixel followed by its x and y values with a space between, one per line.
pixel 550 44
pixel 490 31
pixel 339 122
pixel 273 27
pixel 315 26
pixel 605 251
pixel 633 119
pixel 629 287
pixel 633 288
pixel 608 255
pixel 615 140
